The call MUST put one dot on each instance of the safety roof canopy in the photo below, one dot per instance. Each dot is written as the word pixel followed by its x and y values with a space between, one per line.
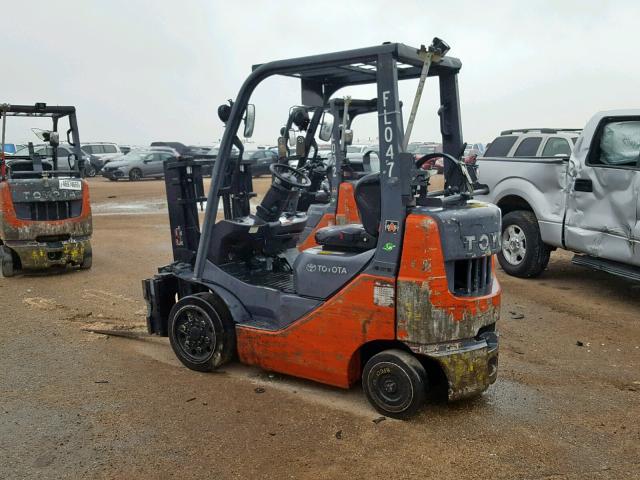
pixel 359 66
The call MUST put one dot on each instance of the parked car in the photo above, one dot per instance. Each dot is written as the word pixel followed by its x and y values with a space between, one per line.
pixel 92 164
pixel 138 164
pixel 261 160
pixel 356 152
pixel 533 143
pixel 200 149
pixel 582 198
pixel 105 151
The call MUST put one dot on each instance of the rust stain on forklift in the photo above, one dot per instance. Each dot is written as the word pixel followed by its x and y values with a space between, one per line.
pixel 431 319
pixel 40 244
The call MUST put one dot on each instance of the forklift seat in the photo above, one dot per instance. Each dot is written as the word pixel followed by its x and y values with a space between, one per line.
pixel 355 236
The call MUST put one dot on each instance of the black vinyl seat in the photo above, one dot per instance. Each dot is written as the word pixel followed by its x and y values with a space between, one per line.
pixel 357 237
pixel 345 237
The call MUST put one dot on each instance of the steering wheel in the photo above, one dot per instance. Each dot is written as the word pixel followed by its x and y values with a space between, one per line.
pixel 424 159
pixel 289 176
pixel 468 180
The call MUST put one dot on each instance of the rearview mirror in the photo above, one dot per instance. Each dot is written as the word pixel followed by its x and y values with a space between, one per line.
pixel 54 139
pixel 326 128
pixel 249 120
pixel 348 137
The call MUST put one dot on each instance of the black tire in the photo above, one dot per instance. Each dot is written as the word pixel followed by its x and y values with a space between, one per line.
pixel 395 383
pixel 90 171
pixel 6 259
pixel 201 332
pixel 87 260
pixel 523 253
pixel 135 174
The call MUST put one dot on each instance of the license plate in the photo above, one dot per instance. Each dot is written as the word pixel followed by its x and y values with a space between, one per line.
pixel 66 184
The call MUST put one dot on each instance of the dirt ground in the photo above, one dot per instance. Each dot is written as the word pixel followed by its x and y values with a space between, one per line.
pixel 75 404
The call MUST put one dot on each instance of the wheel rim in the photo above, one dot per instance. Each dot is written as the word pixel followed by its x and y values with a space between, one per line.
pixel 135 175
pixel 514 245
pixel 194 333
pixel 390 387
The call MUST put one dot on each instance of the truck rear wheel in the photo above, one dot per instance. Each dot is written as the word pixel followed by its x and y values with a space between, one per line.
pixel 201 332
pixel 6 259
pixel 523 253
pixel 395 383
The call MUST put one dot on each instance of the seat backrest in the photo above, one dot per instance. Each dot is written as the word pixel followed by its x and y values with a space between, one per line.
pixel 367 195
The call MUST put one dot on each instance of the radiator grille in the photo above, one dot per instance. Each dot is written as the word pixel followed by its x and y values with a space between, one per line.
pixel 42 211
pixel 472 277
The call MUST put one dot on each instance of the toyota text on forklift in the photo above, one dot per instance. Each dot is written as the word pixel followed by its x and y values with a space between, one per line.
pixel 45 215
pixel 412 308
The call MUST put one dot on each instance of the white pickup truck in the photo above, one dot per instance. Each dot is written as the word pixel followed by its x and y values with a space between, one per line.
pixel 587 202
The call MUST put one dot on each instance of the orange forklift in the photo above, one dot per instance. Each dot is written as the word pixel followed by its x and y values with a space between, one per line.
pixel 45 215
pixel 405 301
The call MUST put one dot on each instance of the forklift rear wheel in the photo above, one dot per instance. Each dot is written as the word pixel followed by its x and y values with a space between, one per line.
pixel 6 257
pixel 135 174
pixel 201 332
pixel 395 383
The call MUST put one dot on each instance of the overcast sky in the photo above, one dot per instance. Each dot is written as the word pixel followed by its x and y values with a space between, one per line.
pixel 157 70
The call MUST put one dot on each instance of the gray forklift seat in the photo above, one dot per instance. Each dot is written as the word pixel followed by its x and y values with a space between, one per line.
pixel 357 237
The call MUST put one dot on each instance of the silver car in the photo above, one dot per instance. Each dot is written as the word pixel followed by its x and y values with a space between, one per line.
pixel 137 165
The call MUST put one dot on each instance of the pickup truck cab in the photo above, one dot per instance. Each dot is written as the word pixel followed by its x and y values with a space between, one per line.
pixel 585 199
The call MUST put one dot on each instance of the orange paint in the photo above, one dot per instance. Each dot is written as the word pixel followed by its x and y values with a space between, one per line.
pixel 347 210
pixel 323 345
pixel 6 206
pixel 423 263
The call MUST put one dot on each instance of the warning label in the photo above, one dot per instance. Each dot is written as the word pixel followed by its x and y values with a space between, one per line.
pixel 383 294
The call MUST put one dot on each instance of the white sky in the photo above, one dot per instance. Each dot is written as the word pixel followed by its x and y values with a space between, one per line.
pixel 157 70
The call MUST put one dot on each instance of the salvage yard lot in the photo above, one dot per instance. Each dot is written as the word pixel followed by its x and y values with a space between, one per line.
pixel 76 404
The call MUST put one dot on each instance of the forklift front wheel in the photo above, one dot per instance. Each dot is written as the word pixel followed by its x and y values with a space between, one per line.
pixel 201 332
pixel 87 260
pixel 395 383
pixel 6 258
